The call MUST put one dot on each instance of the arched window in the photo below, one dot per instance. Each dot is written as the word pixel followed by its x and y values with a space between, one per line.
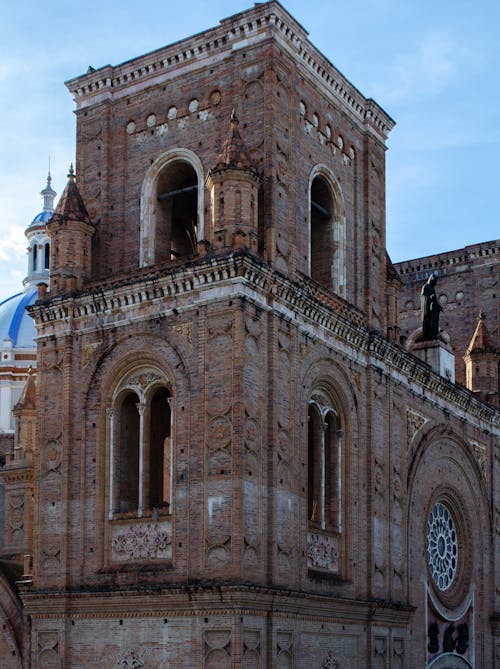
pixel 128 454
pixel 324 493
pixel 326 231
pixel 140 445
pixel 46 259
pixel 35 257
pixel 171 207
pixel 177 211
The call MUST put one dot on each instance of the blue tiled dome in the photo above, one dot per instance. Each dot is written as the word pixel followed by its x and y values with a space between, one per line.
pixel 15 323
pixel 42 217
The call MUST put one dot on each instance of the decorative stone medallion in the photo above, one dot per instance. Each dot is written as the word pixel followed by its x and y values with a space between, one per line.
pixel 442 546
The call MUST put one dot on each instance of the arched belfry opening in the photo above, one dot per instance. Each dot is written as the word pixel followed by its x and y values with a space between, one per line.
pixel 321 231
pixel 171 208
pixel 177 211
pixel 326 231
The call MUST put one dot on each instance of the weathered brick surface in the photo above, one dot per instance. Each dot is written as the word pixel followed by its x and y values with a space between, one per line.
pixel 243 341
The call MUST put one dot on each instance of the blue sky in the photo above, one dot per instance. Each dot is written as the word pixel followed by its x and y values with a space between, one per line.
pixel 433 66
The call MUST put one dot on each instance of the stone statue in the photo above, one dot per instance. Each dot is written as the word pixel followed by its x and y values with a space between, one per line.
pixel 430 309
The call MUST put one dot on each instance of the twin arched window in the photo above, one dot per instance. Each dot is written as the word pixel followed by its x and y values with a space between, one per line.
pixel 140 439
pixel 324 444
pixel 326 231
pixel 39 263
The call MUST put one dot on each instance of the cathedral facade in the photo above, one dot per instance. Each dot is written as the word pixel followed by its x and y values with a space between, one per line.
pixel 227 459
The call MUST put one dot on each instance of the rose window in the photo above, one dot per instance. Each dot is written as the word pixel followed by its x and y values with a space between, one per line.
pixel 442 546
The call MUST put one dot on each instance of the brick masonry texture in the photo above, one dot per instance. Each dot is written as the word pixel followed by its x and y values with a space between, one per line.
pixel 239 341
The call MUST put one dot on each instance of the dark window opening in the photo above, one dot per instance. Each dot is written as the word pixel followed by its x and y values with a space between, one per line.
pixel 177 212
pixel 322 247
pixel 159 450
pixel 128 492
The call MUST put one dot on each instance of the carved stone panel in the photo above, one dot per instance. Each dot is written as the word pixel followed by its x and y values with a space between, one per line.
pixel 132 542
pixel 398 653
pixel 251 649
pixel 251 376
pixel 322 552
pixel 218 524
pixel 328 650
pixel 50 555
pixel 479 451
pixel 284 650
pixel 48 649
pixel 414 422
pixel 131 659
pixel 217 649
pixel 380 653
pixel 16 519
pixel 218 445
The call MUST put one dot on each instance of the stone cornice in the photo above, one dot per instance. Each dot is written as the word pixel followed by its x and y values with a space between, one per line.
pixel 313 309
pixel 264 21
pixel 10 476
pixel 213 600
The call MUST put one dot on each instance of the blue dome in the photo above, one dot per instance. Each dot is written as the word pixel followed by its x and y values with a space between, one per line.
pixel 15 322
pixel 42 217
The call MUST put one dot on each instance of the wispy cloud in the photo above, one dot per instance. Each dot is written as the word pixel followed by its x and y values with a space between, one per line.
pixel 428 68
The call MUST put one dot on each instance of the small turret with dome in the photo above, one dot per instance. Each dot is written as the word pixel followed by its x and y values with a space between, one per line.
pixel 38 239
pixel 17 330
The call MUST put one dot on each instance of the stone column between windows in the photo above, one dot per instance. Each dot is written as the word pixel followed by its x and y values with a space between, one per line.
pixel 170 473
pixel 322 524
pixel 111 413
pixel 141 407
pixel 339 434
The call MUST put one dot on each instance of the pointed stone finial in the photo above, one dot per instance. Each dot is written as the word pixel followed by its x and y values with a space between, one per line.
pixel 71 173
pixel 234 154
pixel 48 194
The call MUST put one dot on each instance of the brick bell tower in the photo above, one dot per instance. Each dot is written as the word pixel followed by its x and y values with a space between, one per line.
pixel 223 429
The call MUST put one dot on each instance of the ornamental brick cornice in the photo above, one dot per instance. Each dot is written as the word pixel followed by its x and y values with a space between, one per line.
pixel 209 600
pixel 172 289
pixel 18 475
pixel 241 31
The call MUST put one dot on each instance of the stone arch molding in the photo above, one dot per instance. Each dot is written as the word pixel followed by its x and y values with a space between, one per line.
pixel 338 268
pixel 148 199
pixel 11 627
pixel 449 661
pixel 142 380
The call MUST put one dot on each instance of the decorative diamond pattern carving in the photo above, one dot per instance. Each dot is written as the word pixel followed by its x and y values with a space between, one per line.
pixel 141 541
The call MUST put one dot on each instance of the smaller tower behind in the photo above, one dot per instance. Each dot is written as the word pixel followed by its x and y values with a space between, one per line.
pixel 38 240
pixel 482 360
pixel 234 191
pixel 70 231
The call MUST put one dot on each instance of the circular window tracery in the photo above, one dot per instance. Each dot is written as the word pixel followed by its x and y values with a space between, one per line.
pixel 442 546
